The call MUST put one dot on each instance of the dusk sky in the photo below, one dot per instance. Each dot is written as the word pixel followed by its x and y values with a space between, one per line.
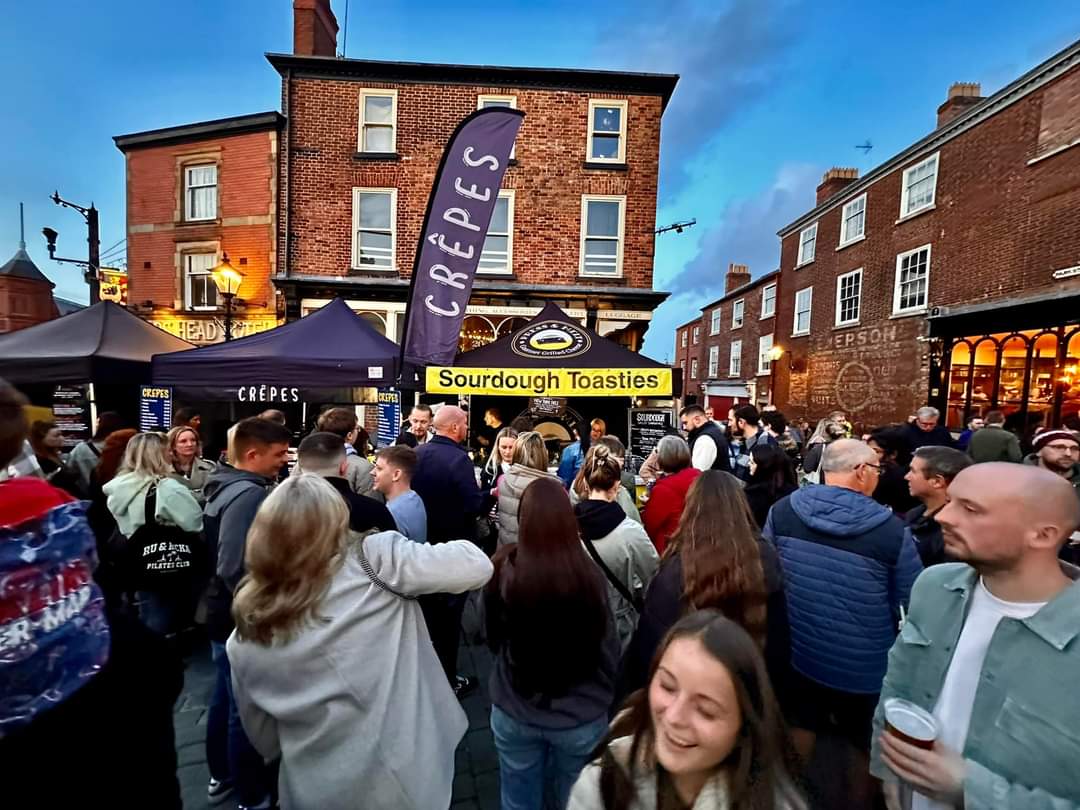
pixel 772 94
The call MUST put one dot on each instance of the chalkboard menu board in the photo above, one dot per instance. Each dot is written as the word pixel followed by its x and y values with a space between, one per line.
pixel 155 408
pixel 547 406
pixel 647 427
pixel 71 412
pixel 389 417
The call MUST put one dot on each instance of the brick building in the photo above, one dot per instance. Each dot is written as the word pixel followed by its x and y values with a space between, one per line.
pixel 949 274
pixel 362 143
pixel 26 296
pixel 196 194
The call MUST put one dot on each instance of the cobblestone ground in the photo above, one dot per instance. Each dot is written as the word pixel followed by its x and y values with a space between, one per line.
pixel 476 779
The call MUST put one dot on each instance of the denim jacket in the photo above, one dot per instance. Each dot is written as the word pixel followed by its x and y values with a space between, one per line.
pixel 1023 744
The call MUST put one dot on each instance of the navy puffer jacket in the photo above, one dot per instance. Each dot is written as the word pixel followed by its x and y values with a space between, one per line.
pixel 849 565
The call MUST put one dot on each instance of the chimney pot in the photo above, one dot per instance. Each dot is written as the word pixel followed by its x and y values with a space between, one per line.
pixel 834 180
pixel 314 28
pixel 737 275
pixel 962 96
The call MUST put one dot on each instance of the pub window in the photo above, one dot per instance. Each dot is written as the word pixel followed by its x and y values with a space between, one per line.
pixel 200 192
pixel 803 304
pixel 497 255
pixel 768 301
pixel 374 222
pixel 714 322
pixel 200 292
pixel 912 280
pixel 853 220
pixel 714 361
pixel 602 223
pixel 697 335
pixel 378 121
pixel 693 368
pixel 683 339
pixel 737 310
pixel 607 131
pixel 764 361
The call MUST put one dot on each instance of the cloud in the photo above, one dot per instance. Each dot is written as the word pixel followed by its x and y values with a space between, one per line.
pixel 728 58
pixel 745 233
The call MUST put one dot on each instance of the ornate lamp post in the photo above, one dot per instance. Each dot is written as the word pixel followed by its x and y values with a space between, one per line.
pixel 227 280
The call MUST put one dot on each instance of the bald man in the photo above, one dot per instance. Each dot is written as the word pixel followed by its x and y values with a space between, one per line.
pixel 991 647
pixel 445 480
pixel 849 564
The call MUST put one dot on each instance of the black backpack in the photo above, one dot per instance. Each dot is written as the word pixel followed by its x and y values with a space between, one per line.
pixel 158 557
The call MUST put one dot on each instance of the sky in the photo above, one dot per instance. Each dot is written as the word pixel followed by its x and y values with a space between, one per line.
pixel 773 93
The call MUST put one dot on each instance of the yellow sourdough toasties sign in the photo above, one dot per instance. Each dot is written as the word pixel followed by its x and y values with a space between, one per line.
pixel 561 382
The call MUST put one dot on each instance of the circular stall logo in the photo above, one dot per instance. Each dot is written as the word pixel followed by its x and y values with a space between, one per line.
pixel 550 339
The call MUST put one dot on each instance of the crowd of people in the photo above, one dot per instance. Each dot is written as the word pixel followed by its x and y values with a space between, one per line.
pixel 685 649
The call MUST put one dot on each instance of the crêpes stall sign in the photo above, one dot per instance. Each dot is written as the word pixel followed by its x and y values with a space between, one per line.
pixel 552 356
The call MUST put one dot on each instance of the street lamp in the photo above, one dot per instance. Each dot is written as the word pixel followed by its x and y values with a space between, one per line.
pixel 227 280
pixel 93 260
pixel 775 353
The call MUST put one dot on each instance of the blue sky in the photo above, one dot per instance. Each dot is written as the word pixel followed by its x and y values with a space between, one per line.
pixel 773 93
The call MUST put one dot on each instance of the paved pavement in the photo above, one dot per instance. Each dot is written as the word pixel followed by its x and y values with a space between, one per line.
pixel 476 779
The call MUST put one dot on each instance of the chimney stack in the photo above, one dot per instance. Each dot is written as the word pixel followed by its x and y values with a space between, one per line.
pixel 962 97
pixel 737 275
pixel 314 28
pixel 835 180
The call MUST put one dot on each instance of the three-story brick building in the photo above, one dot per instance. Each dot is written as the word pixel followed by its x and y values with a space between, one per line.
pixel 360 149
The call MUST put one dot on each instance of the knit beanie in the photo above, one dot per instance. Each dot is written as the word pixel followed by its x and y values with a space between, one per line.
pixel 1048 436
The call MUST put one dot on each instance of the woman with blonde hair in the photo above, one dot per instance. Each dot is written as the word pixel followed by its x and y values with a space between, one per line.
pixel 159 521
pixel 189 467
pixel 528 463
pixel 499 461
pixel 315 682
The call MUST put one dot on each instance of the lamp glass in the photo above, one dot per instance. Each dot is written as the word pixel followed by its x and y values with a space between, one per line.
pixel 775 353
pixel 226 277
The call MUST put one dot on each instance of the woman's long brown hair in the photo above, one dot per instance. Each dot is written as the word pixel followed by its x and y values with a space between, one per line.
pixel 717 542
pixel 547 603
pixel 759 768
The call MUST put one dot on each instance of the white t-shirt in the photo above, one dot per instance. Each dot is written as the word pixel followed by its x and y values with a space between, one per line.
pixel 957 698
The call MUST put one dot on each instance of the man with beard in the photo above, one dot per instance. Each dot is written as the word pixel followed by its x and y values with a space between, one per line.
pixel 991 647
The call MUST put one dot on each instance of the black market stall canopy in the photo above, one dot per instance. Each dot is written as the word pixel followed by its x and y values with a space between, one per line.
pixel 330 349
pixel 103 344
pixel 552 356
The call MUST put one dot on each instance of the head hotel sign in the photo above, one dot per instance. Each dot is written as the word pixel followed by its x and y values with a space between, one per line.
pixel 559 342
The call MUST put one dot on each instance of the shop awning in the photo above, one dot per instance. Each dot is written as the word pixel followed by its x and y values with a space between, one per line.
pixel 104 344
pixel 552 355
pixel 330 348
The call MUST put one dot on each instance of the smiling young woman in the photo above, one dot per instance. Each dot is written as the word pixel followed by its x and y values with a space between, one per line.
pixel 706 733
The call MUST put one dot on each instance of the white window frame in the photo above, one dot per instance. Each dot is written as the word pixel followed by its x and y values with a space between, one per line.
pixel 585 200
pixel 360 145
pixel 764 362
pixel 714 322
pixel 508 195
pixel 697 335
pixel 802 244
pixel 189 213
pixel 735 359
pixel 896 282
pixel 840 321
pixel 357 191
pixel 184 261
pixel 714 362
pixel 849 238
pixel 684 331
pixel 905 190
pixel 772 311
pixel 693 368
pixel 604 102
pixel 738 313
pixel 511 100
pixel 808 293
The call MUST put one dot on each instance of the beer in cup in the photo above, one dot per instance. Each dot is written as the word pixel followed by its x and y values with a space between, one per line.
pixel 910 723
